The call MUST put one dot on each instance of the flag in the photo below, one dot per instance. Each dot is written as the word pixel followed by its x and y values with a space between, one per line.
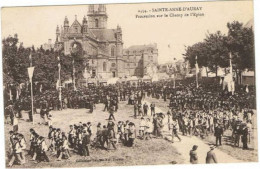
pixel 231 68
pixel 57 84
pixel 197 66
pixel 247 90
pixel 60 96
pixel 10 94
pixel 41 88
pixel 30 73
pixel 17 94
pixel 220 82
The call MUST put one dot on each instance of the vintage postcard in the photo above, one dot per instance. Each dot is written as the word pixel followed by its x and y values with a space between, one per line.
pixel 129 84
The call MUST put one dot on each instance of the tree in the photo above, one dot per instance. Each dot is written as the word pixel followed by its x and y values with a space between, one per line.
pixel 217 51
pixel 211 53
pixel 240 42
pixel 214 51
pixel 15 61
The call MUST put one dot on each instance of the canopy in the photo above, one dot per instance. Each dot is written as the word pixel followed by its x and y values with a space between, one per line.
pixel 132 78
pixel 112 80
pixel 147 78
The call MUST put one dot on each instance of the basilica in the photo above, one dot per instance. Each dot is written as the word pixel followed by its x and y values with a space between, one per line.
pixel 103 46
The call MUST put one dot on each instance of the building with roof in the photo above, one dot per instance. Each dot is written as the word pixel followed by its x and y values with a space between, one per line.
pixel 48 46
pixel 102 46
pixel 139 58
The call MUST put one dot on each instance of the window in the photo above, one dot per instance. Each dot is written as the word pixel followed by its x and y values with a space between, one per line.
pixel 76 29
pixel 113 51
pixel 93 73
pixel 113 65
pixel 96 23
pixel 104 66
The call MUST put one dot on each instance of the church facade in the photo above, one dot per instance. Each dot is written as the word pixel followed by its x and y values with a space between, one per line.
pixel 102 46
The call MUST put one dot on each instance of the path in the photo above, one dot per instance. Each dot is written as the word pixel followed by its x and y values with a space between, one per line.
pixel 187 143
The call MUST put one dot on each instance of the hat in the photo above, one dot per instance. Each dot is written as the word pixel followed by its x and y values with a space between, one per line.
pixel 212 147
pixel 194 147
pixel 131 124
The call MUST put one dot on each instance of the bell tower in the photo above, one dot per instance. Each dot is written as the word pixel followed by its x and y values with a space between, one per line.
pixel 97 16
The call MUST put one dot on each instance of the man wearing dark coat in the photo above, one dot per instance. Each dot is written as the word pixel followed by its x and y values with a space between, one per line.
pixel 218 134
pixel 193 155
pixel 211 156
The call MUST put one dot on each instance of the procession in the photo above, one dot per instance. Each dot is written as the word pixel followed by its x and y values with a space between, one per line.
pixel 203 111
pixel 87 100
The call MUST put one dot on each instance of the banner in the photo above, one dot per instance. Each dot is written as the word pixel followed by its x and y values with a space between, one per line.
pixel 197 68
pixel 30 73
pixel 196 65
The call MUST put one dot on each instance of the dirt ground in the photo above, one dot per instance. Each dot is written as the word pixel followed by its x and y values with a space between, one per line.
pixel 250 155
pixel 144 152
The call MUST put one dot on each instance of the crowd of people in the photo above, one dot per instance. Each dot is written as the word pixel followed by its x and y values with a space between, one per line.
pixel 191 111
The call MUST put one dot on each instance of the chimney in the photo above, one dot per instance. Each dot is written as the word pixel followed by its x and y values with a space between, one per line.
pixel 49 41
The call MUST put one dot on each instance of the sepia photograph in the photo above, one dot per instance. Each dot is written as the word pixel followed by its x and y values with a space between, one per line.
pixel 159 83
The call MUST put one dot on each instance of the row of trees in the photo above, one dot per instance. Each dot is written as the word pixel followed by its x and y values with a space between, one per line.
pixel 17 58
pixel 214 51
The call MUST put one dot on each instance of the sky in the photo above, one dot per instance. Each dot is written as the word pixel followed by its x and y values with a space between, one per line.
pixel 35 25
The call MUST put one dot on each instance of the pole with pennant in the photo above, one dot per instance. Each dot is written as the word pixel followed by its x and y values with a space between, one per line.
pixel 74 81
pixel 60 98
pixel 232 84
pixel 230 62
pixel 174 70
pixel 30 73
pixel 30 58
pixel 197 72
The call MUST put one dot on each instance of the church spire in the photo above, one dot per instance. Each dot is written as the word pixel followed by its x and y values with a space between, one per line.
pixel 66 24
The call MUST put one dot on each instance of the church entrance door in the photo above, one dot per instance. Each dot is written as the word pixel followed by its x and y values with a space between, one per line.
pixel 114 74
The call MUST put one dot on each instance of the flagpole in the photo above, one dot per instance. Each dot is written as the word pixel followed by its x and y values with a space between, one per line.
pixel 74 85
pixel 30 73
pixel 174 74
pixel 32 102
pixel 231 73
pixel 59 65
pixel 197 83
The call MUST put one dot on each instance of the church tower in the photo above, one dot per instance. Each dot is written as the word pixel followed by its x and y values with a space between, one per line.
pixel 84 25
pixel 97 17
pixel 66 25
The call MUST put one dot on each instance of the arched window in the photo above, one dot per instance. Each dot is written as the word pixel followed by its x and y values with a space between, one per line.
pixel 96 23
pixel 113 51
pixel 104 66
